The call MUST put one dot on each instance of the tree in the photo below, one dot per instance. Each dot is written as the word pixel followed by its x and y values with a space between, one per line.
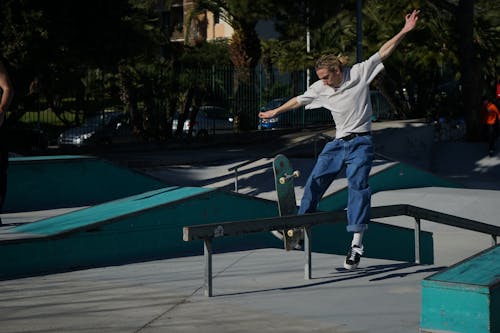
pixel 243 16
pixel 244 49
pixel 331 25
pixel 476 28
pixel 51 42
pixel 58 44
pixel 436 50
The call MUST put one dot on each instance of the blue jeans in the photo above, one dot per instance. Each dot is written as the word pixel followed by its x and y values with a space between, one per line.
pixel 356 155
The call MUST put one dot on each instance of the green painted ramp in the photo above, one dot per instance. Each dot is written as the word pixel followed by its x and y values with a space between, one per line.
pixel 142 227
pixel 50 182
pixel 396 177
pixel 135 217
pixel 379 241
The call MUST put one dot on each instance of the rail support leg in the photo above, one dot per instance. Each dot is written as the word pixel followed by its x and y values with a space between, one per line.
pixel 417 240
pixel 493 240
pixel 307 253
pixel 207 251
pixel 236 180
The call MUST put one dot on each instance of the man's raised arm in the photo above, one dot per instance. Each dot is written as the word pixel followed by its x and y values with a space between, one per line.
pixel 289 105
pixel 389 46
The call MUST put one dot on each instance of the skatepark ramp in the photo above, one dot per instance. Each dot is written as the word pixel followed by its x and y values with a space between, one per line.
pixel 141 227
pixel 50 182
pixel 148 226
pixel 134 217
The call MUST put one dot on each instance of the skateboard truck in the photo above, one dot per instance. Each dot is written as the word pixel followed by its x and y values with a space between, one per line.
pixel 286 177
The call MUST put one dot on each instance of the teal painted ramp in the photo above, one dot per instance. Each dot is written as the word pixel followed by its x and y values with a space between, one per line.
pixel 50 182
pixel 138 218
pixel 396 177
pixel 379 242
pixel 148 226
pixel 142 227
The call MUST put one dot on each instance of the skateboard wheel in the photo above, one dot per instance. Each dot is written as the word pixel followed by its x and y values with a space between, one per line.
pixel 296 173
pixel 282 180
pixel 290 233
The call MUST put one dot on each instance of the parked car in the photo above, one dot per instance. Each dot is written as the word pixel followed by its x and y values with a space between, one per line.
pixel 24 139
pixel 209 120
pixel 103 128
pixel 272 123
pixel 294 118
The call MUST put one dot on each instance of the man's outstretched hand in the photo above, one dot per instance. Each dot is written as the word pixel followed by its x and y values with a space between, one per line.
pixel 411 21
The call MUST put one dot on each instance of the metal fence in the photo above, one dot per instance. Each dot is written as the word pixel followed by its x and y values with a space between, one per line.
pixel 266 89
pixel 84 93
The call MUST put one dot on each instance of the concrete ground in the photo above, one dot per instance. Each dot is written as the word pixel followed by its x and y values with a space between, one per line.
pixel 264 290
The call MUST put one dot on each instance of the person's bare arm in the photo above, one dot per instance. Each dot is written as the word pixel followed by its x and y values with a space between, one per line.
pixel 389 46
pixel 289 105
pixel 7 90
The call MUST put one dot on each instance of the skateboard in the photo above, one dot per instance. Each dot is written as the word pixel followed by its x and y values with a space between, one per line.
pixel 287 205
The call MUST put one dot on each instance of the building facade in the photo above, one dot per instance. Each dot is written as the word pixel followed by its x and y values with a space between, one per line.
pixel 190 27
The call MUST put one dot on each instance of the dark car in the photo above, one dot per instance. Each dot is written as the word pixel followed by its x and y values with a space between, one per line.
pixel 103 128
pixel 272 123
pixel 24 139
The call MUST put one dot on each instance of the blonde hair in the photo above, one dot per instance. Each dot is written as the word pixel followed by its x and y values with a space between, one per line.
pixel 331 62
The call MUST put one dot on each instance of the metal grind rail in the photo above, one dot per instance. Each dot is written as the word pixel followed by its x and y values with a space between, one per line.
pixel 208 232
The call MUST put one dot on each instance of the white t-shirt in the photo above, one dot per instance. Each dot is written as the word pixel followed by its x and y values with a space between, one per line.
pixel 350 103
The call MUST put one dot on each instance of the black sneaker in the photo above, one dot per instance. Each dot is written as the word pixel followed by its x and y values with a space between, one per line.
pixel 353 257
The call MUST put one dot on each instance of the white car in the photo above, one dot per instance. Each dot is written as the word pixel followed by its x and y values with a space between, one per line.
pixel 209 120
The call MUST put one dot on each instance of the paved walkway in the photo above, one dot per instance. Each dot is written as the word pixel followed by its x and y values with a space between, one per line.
pixel 262 290
pixel 256 291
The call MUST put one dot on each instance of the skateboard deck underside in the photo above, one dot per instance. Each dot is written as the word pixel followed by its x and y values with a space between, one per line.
pixel 285 191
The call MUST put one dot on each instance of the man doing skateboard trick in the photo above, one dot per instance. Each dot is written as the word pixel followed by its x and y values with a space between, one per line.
pixel 345 92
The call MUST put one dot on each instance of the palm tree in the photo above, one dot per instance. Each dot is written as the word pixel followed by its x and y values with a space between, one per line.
pixel 477 38
pixel 244 48
pixel 398 84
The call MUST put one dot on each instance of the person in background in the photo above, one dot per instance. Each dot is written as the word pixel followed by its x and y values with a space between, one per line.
pixel 7 93
pixel 491 117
